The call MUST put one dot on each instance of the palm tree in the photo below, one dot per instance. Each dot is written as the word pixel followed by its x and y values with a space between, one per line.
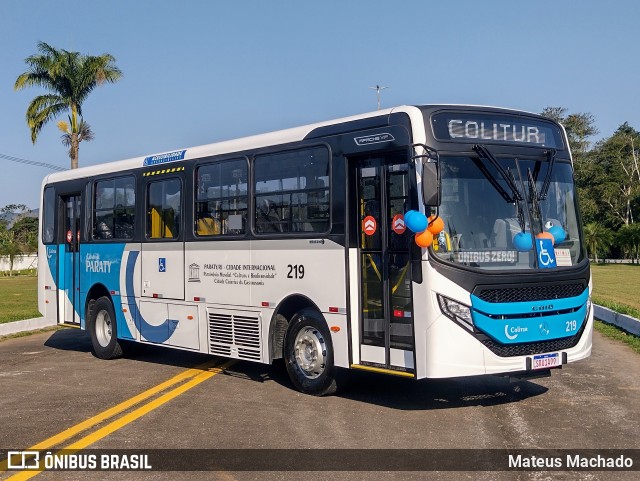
pixel 84 133
pixel 596 237
pixel 69 77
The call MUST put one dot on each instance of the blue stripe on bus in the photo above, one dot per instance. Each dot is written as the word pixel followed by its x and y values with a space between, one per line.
pixel 517 329
pixel 101 264
pixel 151 333
pixel 93 270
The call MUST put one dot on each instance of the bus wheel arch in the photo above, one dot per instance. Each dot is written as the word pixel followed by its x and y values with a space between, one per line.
pixel 96 292
pixel 102 326
pixel 283 314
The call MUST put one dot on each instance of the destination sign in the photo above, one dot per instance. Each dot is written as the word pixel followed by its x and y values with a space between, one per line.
pixel 495 128
pixel 486 256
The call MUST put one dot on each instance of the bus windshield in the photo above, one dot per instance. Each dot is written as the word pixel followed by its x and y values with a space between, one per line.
pixel 481 222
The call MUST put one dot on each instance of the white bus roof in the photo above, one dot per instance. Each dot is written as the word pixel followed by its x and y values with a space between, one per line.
pixel 245 143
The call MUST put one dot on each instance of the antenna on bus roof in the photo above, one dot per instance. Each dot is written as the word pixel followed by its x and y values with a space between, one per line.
pixel 377 88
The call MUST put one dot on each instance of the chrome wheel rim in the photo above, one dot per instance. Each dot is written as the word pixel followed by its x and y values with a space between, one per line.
pixel 310 352
pixel 103 328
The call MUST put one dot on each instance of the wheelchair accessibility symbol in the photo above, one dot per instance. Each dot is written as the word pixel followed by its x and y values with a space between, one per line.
pixel 162 264
pixel 546 254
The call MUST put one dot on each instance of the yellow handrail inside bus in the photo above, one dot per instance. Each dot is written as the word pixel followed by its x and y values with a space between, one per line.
pixel 161 227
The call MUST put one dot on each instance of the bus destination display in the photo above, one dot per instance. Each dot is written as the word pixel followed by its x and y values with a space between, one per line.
pixel 505 129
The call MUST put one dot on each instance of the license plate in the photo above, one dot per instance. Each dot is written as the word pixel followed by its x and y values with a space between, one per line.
pixel 545 361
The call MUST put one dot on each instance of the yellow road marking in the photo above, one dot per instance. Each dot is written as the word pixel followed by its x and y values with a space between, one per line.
pixel 130 417
pixel 147 408
pixel 117 409
pixel 98 418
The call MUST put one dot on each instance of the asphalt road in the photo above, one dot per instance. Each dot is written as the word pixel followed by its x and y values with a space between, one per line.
pixel 50 382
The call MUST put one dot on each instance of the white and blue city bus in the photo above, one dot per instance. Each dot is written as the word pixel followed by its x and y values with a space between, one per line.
pixel 298 244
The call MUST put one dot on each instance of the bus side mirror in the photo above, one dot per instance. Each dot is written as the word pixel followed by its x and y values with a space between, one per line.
pixel 430 184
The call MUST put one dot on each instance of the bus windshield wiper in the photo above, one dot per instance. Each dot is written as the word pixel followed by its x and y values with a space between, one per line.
pixel 547 178
pixel 483 152
pixel 534 198
pixel 518 202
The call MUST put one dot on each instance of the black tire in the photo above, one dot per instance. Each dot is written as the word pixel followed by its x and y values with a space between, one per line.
pixel 103 330
pixel 308 354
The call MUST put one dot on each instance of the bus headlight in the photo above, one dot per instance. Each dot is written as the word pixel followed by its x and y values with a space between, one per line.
pixel 456 311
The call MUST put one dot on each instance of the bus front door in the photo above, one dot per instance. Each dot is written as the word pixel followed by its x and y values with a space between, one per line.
pixel 69 255
pixel 384 261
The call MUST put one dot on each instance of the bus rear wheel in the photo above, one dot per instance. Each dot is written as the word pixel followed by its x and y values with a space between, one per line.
pixel 103 330
pixel 308 354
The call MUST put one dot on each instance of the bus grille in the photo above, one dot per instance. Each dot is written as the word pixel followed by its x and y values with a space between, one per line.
pixel 542 292
pixel 531 348
pixel 235 334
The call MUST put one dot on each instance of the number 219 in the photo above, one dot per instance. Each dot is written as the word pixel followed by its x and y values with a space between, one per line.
pixel 295 272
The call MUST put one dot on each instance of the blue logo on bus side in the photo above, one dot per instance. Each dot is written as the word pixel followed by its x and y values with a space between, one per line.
pixel 162 264
pixel 546 254
pixel 164 158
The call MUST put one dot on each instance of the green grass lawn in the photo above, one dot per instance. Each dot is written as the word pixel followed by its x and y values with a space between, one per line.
pixel 18 298
pixel 617 286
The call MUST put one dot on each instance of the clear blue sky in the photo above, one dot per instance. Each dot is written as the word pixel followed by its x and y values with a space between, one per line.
pixel 197 72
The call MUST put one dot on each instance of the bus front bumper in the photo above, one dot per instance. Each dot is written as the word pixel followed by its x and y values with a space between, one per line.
pixel 452 351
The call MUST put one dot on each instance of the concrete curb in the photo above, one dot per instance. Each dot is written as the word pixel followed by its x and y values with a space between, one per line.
pixel 26 325
pixel 628 323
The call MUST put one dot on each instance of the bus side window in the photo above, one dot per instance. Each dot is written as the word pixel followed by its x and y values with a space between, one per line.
pixel 163 218
pixel 49 209
pixel 114 208
pixel 296 184
pixel 221 198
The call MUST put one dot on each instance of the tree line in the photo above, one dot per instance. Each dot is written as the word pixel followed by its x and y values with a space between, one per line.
pixel 607 175
pixel 18 233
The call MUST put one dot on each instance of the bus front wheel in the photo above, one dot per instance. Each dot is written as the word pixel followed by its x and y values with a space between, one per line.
pixel 308 353
pixel 103 330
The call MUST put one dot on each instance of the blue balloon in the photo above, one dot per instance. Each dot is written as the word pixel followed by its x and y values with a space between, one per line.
pixel 417 221
pixel 523 242
pixel 558 233
pixel 408 215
